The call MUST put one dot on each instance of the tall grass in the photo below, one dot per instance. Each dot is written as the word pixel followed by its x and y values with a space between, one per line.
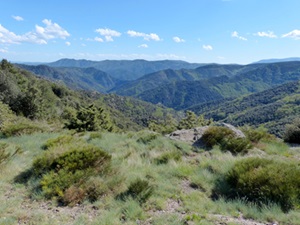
pixel 174 170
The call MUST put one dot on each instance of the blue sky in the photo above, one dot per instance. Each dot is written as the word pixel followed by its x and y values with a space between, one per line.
pixel 203 31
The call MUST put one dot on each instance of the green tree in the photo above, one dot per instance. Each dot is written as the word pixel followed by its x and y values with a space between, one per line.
pixel 191 121
pixel 292 132
pixel 168 125
pixel 88 118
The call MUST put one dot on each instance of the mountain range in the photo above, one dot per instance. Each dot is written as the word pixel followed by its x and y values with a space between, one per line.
pixel 126 69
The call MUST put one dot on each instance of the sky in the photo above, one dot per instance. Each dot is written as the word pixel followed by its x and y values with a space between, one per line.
pixel 200 31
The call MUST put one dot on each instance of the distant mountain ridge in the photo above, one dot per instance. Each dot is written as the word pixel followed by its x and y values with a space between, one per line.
pixel 89 78
pixel 154 80
pixel 126 69
pixel 291 59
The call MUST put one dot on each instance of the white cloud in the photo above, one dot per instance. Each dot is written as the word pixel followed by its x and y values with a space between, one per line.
pixel 98 39
pixel 269 34
pixel 9 37
pixel 207 47
pixel 68 43
pixel 236 35
pixel 143 46
pixel 108 33
pixel 39 36
pixel 3 50
pixel 51 30
pixel 295 34
pixel 178 40
pixel 147 37
pixel 18 18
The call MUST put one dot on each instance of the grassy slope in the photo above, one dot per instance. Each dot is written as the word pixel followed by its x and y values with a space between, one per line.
pixel 182 187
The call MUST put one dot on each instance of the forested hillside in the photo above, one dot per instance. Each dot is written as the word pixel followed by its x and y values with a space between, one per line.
pixel 184 94
pixel 36 98
pixel 273 108
pixel 89 79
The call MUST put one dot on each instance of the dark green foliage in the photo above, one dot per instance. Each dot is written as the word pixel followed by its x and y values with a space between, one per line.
pixel 265 181
pixel 64 173
pixel 89 119
pixel 216 135
pixel 226 139
pixel 74 159
pixel 139 190
pixel 292 132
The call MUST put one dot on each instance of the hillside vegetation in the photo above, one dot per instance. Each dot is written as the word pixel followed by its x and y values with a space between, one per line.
pixel 273 108
pixel 80 157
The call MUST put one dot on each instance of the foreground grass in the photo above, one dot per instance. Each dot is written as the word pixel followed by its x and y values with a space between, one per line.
pixel 182 178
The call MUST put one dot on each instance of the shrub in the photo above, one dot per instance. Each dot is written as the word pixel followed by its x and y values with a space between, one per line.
pixel 263 181
pixel 23 126
pixel 215 135
pixel 256 135
pixel 139 190
pixel 292 132
pixel 61 140
pixel 226 139
pixel 72 168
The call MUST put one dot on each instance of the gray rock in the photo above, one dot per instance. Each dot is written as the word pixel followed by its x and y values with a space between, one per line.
pixel 193 136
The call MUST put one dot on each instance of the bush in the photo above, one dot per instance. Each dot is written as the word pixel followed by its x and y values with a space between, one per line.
pixel 265 181
pixel 256 135
pixel 139 190
pixel 61 140
pixel 226 139
pixel 72 168
pixel 292 132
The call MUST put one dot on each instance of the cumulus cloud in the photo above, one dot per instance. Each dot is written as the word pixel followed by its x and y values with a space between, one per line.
pixel 235 34
pixel 68 43
pixel 207 47
pixel 178 40
pixel 295 34
pixel 143 46
pixel 269 34
pixel 18 18
pixel 108 33
pixel 39 36
pixel 147 37
pixel 9 37
pixel 51 30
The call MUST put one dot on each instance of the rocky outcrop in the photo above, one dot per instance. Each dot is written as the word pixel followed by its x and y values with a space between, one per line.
pixel 193 136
